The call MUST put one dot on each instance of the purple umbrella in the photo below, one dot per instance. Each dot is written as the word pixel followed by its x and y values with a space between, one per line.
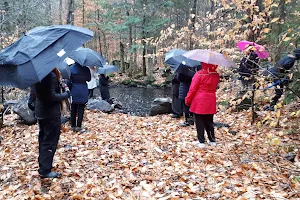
pixel 210 57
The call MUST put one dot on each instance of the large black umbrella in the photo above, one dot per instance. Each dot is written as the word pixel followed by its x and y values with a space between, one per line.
pixel 38 52
pixel 64 69
pixel 175 57
pixel 88 57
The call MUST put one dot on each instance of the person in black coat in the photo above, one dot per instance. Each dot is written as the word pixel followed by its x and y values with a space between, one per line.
pixel 104 87
pixel 184 86
pixel 79 92
pixel 47 111
pixel 176 102
pixel 32 98
pixel 280 75
pixel 248 68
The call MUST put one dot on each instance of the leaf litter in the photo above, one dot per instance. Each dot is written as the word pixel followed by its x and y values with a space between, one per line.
pixel 130 157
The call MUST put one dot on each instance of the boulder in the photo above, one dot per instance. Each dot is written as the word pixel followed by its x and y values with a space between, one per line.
pixel 98 104
pixel 27 116
pixel 161 106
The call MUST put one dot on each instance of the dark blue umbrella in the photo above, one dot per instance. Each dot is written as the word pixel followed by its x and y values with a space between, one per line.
pixel 38 52
pixel 88 57
pixel 174 58
pixel 107 69
pixel 64 69
pixel 187 70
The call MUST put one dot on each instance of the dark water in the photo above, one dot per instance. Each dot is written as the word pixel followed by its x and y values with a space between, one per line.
pixel 136 100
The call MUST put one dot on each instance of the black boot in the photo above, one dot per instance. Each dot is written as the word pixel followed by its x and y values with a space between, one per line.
pixel 187 122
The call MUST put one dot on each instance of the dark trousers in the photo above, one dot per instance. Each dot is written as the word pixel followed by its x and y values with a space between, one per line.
pixel 278 93
pixel 91 93
pixel 186 110
pixel 176 105
pixel 48 140
pixel 205 122
pixel 77 109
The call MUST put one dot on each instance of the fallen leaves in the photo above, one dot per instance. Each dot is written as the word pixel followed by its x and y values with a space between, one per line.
pixel 129 157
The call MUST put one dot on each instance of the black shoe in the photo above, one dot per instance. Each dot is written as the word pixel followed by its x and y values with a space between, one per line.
pixel 73 129
pixel 175 116
pixel 51 175
pixel 185 124
pixel 271 108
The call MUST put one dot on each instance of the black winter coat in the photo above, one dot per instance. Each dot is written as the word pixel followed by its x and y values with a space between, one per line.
pixel 104 86
pixel 48 97
pixel 248 65
pixel 175 85
pixel 184 86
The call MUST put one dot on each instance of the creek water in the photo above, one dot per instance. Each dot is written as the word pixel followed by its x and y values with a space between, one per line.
pixel 136 100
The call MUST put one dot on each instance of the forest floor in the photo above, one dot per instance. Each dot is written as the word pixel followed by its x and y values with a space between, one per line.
pixel 130 157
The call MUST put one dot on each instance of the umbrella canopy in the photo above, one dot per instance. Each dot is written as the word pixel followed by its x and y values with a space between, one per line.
pixel 175 57
pixel 107 69
pixel 258 49
pixel 88 57
pixel 64 69
pixel 210 57
pixel 38 52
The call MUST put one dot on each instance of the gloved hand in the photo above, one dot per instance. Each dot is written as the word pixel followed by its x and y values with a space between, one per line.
pixel 31 107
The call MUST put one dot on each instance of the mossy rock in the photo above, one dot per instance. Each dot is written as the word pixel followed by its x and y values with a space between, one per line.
pixel 130 83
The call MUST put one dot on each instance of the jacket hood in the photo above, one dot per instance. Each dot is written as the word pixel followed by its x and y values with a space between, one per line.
pixel 209 67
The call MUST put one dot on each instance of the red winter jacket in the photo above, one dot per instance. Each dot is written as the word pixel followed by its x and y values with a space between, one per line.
pixel 202 94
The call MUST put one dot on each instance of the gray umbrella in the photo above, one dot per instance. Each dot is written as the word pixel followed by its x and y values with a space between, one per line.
pixel 38 52
pixel 107 69
pixel 88 57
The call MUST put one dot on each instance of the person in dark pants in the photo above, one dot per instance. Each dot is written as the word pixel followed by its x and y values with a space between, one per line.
pixel 184 85
pixel 176 102
pixel 104 87
pixel 79 92
pixel 47 110
pixel 32 98
pixel 202 101
pixel 279 74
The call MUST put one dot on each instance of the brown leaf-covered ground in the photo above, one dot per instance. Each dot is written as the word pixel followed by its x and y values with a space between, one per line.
pixel 129 157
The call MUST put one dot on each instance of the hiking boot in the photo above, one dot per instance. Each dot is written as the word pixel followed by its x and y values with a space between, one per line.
pixel 73 129
pixel 176 116
pixel 51 175
pixel 80 129
pixel 185 124
pixel 271 108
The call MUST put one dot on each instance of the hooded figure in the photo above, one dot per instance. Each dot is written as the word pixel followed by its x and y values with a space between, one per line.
pixel 280 77
pixel 202 101
pixel 79 92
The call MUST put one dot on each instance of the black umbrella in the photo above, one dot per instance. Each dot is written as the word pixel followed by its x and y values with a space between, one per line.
pixel 64 69
pixel 88 57
pixel 38 52
pixel 175 57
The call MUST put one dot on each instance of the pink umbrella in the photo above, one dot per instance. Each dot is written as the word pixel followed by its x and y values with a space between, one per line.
pixel 208 56
pixel 258 49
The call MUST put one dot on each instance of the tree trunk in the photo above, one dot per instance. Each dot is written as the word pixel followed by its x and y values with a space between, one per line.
pixel 143 41
pixel 70 16
pixel 83 12
pixel 192 25
pixel 135 53
pixel 60 12
pixel 122 56
pixel 130 47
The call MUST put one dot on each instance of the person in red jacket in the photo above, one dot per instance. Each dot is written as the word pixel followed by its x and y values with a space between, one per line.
pixel 202 101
